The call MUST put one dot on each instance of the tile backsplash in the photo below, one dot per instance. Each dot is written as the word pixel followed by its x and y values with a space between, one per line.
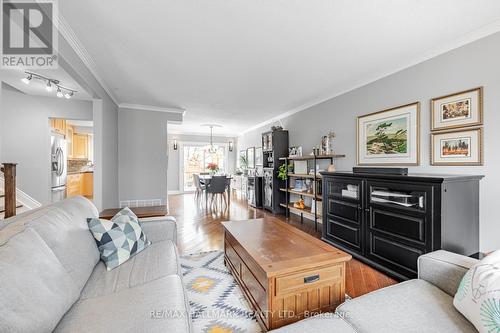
pixel 77 165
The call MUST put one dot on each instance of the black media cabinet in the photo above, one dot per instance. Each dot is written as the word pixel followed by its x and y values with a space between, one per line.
pixel 388 221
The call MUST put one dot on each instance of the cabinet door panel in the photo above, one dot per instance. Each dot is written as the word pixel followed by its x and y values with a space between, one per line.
pixel 396 224
pixel 343 209
pixel 394 255
pixel 344 233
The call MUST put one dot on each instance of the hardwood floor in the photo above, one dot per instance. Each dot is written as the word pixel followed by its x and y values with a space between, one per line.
pixel 199 229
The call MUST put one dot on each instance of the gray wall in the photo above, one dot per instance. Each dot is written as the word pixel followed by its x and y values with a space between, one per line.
pixel 142 153
pixel 470 66
pixel 25 133
pixel 174 155
pixel 105 113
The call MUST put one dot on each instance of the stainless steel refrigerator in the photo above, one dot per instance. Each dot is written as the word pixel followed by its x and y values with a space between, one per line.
pixel 59 165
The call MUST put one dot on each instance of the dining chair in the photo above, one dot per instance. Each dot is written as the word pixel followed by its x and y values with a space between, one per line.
pixel 217 187
pixel 199 187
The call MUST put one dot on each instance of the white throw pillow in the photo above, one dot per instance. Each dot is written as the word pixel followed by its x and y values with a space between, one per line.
pixel 478 295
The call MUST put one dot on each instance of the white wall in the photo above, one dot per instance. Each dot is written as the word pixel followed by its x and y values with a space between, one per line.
pixel 174 155
pixel 25 133
pixel 473 65
pixel 142 138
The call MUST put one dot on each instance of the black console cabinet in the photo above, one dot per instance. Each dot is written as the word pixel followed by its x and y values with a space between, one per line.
pixel 388 221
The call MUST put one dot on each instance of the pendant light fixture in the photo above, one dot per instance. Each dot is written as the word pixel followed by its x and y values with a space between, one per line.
pixel 211 148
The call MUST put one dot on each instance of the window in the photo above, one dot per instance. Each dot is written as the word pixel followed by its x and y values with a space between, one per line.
pixel 196 159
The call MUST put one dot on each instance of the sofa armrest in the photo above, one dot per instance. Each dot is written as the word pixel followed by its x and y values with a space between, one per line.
pixel 159 228
pixel 444 269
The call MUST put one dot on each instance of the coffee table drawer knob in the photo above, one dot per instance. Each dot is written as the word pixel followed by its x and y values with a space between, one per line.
pixel 311 279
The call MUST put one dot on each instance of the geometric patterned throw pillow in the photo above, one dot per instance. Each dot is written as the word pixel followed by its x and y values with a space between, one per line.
pixel 118 239
pixel 478 295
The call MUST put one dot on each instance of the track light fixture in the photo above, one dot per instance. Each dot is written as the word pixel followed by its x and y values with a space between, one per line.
pixel 61 90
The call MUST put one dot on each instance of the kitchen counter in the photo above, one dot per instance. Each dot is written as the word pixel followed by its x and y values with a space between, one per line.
pixel 77 172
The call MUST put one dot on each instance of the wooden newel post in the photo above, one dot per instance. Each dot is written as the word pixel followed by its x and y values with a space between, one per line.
pixel 10 189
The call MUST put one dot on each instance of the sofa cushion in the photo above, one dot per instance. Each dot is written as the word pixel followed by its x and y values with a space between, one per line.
pixel 411 306
pixel 63 227
pixel 159 228
pixel 35 289
pixel 478 295
pixel 157 306
pixel 325 322
pixel 118 239
pixel 157 261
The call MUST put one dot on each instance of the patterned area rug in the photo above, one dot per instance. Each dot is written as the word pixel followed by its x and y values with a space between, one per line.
pixel 217 304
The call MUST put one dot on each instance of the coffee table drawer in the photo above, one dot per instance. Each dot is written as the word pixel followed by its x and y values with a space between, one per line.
pixel 302 280
pixel 233 258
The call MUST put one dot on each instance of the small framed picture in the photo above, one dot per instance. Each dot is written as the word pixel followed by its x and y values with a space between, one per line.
pixel 457 147
pixel 295 151
pixel 461 109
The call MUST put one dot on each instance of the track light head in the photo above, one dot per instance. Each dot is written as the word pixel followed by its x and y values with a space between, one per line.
pixel 59 93
pixel 68 95
pixel 27 79
pixel 49 86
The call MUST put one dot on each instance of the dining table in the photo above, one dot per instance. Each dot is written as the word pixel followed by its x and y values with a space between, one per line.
pixel 205 180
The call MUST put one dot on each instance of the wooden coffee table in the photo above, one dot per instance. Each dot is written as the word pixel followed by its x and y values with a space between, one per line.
pixel 284 273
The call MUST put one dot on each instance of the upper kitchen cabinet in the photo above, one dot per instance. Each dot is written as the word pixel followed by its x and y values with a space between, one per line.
pixel 80 146
pixel 58 125
pixel 69 140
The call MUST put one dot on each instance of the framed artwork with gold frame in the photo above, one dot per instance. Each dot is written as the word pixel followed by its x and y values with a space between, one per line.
pixel 390 137
pixel 462 109
pixel 457 147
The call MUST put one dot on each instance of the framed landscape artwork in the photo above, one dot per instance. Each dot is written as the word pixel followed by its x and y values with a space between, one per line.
pixel 390 137
pixel 461 109
pixel 458 147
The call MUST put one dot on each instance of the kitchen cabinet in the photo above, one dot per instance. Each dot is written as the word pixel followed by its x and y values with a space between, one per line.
pixel 80 146
pixel 58 125
pixel 88 185
pixel 69 140
pixel 80 184
pixel 74 185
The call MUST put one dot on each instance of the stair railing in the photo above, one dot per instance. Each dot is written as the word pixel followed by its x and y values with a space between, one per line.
pixel 9 173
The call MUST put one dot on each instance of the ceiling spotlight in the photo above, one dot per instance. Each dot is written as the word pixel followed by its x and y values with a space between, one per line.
pixel 59 92
pixel 68 95
pixel 49 86
pixel 27 79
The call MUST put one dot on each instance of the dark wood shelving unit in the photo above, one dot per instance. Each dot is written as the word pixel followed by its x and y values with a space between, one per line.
pixel 316 216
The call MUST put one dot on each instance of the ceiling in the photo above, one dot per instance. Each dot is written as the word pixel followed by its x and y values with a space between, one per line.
pixel 239 63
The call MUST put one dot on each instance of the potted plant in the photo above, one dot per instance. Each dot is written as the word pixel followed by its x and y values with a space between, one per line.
pixel 283 171
pixel 213 167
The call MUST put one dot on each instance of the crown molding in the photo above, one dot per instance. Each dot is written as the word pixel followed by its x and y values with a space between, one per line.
pixel 473 36
pixel 77 46
pixel 151 108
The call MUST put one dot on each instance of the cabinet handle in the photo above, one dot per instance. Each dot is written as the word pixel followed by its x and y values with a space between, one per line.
pixel 311 279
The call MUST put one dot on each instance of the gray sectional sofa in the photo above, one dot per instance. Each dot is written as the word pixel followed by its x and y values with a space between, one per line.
pixel 51 278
